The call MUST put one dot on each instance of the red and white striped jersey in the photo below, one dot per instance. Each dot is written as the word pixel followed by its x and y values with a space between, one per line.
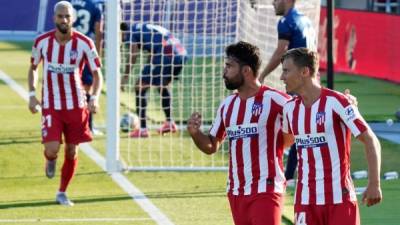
pixel 323 138
pixel 253 127
pixel 62 69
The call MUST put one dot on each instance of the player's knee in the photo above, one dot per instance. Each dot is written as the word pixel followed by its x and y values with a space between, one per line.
pixel 51 149
pixel 71 151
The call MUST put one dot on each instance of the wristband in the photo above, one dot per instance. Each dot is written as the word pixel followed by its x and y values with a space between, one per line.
pixel 93 97
pixel 32 94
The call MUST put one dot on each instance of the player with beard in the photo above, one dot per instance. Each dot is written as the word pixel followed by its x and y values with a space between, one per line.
pixel 65 111
pixel 251 121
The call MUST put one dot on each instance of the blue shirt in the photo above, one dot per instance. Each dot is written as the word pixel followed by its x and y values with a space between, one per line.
pixel 100 4
pixel 297 29
pixel 87 14
pixel 156 39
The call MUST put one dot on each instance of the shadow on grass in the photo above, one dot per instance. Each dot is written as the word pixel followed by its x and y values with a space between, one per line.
pixel 187 194
pixel 41 203
pixel 26 204
pixel 96 199
pixel 42 176
pixel 17 46
pixel 13 141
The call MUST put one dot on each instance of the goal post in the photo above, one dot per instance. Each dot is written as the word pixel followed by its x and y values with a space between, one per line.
pixel 112 60
pixel 205 28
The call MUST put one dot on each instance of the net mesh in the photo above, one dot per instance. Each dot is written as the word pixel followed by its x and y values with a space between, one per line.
pixel 205 28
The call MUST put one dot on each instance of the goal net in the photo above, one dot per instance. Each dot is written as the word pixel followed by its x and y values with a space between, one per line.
pixel 205 28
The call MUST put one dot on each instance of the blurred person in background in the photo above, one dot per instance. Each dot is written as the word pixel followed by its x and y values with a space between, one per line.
pixel 166 58
pixel 89 21
pixel 294 30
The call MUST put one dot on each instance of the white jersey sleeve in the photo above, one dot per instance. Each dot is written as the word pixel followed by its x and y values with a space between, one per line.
pixel 92 56
pixel 218 128
pixel 350 115
pixel 287 108
pixel 36 55
pixel 285 121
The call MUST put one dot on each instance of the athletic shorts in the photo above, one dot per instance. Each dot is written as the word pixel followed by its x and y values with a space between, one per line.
pixel 72 123
pixel 345 213
pixel 87 77
pixel 162 70
pixel 256 209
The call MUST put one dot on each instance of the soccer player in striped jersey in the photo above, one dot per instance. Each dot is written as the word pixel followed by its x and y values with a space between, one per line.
pixel 251 121
pixel 64 109
pixel 322 121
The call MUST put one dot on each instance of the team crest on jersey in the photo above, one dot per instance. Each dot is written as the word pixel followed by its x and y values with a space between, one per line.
pixel 256 109
pixel 320 118
pixel 44 132
pixel 73 54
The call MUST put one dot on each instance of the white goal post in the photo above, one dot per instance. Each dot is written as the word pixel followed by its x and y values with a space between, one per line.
pixel 205 27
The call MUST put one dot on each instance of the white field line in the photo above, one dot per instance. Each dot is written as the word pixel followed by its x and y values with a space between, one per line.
pixel 40 220
pixel 119 178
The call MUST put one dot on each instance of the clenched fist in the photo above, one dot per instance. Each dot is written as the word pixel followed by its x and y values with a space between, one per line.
pixel 194 123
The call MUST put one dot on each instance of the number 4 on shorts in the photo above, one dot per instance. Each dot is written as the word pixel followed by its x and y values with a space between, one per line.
pixel 300 218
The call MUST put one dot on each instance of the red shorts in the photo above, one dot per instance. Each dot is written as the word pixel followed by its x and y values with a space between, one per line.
pixel 257 209
pixel 345 213
pixel 73 123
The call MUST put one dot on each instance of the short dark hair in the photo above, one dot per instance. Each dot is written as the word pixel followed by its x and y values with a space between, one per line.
pixel 303 57
pixel 246 54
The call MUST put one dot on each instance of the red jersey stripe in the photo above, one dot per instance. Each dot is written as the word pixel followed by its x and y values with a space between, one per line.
pixel 311 160
pixel 50 97
pixel 255 164
pixel 71 75
pixel 227 121
pixel 60 78
pixel 239 148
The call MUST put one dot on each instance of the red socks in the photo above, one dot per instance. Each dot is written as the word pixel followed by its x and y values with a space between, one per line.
pixel 67 172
